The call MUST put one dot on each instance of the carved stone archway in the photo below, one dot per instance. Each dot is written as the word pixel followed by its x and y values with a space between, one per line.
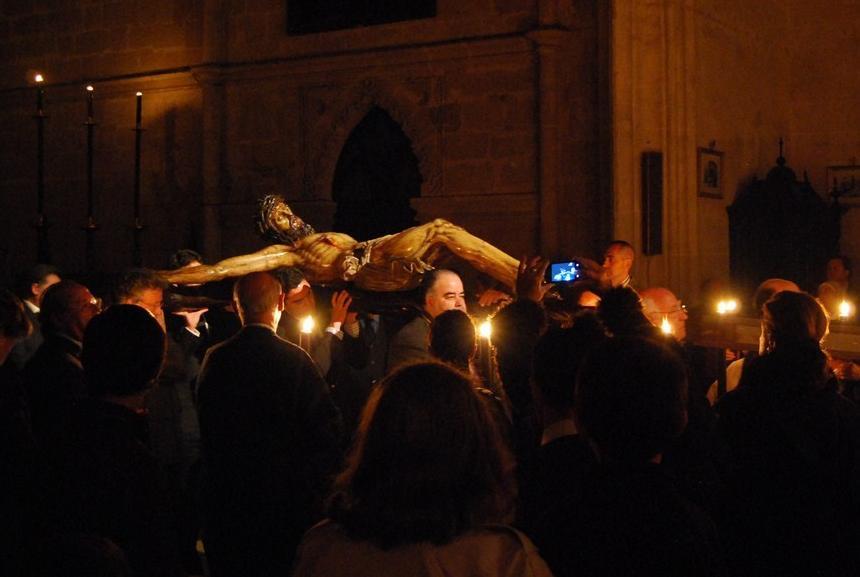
pixel 409 103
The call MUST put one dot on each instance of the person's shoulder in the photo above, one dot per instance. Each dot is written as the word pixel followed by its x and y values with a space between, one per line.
pixel 500 550
pixel 419 325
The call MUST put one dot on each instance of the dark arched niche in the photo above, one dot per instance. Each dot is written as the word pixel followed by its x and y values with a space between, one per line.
pixel 375 177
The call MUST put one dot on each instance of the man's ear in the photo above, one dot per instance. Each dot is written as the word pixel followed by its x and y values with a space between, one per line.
pixel 282 298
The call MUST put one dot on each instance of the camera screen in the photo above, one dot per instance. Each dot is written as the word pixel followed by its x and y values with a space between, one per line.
pixel 565 271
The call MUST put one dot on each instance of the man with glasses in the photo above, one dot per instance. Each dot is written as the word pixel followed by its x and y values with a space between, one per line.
pixel 661 304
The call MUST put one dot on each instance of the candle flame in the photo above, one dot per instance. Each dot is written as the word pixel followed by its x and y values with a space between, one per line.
pixel 89 87
pixel 666 326
pixel 308 325
pixel 846 309
pixel 727 306
pixel 139 94
pixel 485 329
pixel 39 78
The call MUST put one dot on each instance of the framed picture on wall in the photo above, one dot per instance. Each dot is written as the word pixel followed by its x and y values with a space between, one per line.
pixel 710 171
pixel 843 181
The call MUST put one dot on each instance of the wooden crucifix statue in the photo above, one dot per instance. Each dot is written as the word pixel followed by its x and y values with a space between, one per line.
pixel 394 262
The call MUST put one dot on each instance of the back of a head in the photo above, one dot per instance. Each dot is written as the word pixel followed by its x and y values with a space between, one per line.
pixel 14 322
pixel 257 295
pixel 57 304
pixel 428 463
pixel 620 309
pixel 558 356
pixel 134 281
pixel 770 287
pixel 452 338
pixel 123 351
pixel 184 257
pixel 290 277
pixel 631 399
pixel 794 318
pixel 516 330
pixel 656 299
pixel 36 274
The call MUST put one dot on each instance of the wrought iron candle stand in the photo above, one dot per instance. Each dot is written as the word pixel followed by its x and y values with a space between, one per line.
pixel 41 222
pixel 90 227
pixel 138 225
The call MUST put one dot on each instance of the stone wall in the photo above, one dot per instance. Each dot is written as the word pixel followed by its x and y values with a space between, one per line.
pixel 825 100
pixel 498 97
pixel 743 68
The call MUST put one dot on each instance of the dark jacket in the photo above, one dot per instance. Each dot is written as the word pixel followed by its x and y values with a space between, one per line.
pixel 629 521
pixel 271 437
pixel 795 443
pixel 102 479
pixel 54 381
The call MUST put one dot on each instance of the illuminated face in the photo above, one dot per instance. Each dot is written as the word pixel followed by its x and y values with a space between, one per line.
pixel 661 305
pixel 617 262
pixel 446 293
pixel 300 302
pixel 282 218
pixel 85 306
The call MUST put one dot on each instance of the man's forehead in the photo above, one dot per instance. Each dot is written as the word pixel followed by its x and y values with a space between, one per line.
pixel 448 282
pixel 300 291
pixel 618 251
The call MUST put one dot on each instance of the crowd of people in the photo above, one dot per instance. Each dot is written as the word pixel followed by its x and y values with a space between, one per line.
pixel 145 438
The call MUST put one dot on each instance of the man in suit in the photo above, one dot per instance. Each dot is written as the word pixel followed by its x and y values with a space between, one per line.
pixel 54 377
pixel 31 286
pixel 270 437
pixel 442 291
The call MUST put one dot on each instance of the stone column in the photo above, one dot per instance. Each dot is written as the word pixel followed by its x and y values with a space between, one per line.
pixel 549 148
pixel 209 76
pixel 653 52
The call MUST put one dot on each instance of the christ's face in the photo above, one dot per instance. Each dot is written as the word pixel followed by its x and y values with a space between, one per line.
pixel 283 218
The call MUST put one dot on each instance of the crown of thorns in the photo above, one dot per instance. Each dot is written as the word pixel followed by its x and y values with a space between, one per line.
pixel 267 228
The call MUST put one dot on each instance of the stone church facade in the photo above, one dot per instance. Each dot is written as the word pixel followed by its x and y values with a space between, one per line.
pixel 527 120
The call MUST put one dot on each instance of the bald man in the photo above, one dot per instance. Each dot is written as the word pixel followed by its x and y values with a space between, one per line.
pixel 442 291
pixel 270 435
pixel 660 303
pixel 617 263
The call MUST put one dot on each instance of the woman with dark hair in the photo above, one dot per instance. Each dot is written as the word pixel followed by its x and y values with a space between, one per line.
pixel 796 446
pixel 427 488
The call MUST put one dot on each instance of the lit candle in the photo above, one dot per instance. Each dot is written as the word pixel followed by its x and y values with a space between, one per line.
pixel 846 309
pixel 89 102
pixel 485 357
pixel 40 94
pixel 666 326
pixel 139 109
pixel 307 327
pixel 485 329
pixel 727 306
